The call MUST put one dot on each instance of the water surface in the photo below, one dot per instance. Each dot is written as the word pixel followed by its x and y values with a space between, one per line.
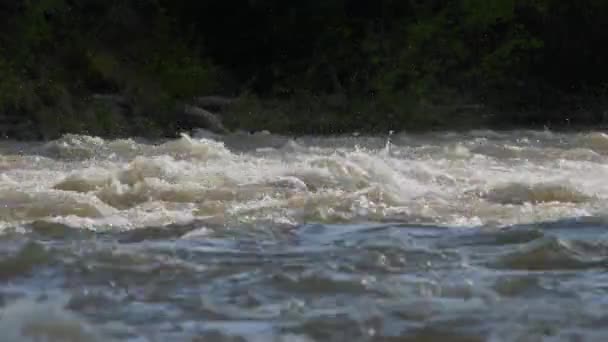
pixel 477 236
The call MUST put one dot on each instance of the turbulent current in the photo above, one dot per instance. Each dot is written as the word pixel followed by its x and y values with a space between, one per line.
pixel 477 236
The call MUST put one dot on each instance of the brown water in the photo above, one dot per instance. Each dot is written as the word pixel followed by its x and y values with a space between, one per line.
pixel 483 236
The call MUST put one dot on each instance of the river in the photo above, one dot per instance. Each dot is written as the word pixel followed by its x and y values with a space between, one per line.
pixel 475 236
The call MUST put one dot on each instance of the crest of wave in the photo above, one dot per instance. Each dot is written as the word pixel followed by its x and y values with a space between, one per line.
pixel 79 147
pixel 74 146
pixel 187 147
pixel 597 141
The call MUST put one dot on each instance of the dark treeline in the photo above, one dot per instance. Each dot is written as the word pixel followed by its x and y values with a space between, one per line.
pixel 123 67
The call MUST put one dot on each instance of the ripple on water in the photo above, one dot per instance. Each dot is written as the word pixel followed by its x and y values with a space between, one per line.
pixel 382 281
pixel 29 320
pixel 553 253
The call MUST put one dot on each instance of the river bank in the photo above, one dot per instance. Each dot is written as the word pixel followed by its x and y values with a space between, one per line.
pixel 116 116
pixel 114 69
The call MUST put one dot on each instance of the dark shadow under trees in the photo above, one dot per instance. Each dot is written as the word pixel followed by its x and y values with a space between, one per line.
pixel 300 66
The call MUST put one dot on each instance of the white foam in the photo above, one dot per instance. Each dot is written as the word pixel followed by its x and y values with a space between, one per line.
pixel 86 185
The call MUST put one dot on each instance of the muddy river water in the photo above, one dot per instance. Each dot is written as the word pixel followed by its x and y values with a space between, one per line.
pixel 476 236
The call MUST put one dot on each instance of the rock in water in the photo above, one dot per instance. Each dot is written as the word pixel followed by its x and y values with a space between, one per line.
pixel 201 118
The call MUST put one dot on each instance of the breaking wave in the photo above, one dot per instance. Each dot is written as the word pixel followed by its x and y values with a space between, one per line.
pixel 478 178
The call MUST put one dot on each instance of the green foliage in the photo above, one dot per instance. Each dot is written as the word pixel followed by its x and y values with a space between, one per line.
pixel 320 66
pixel 10 95
pixel 510 56
pixel 56 53
pixel 483 14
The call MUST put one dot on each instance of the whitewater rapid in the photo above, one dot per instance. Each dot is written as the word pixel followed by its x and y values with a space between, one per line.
pixel 475 236
pixel 481 178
